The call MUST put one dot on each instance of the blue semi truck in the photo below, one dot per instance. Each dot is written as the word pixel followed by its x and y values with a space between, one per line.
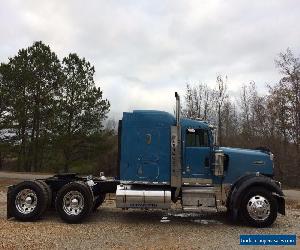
pixel 163 160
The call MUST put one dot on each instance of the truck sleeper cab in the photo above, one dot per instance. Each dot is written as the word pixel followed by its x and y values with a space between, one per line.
pixel 164 159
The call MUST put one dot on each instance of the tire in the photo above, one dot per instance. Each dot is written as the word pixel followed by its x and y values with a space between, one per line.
pixel 28 201
pixel 49 192
pixel 98 201
pixel 253 198
pixel 74 202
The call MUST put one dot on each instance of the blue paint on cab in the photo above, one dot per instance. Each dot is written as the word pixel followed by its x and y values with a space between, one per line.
pixel 146 151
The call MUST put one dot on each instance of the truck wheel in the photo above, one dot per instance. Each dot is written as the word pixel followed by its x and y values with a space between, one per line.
pixel 74 202
pixel 28 201
pixel 48 190
pixel 258 207
pixel 98 201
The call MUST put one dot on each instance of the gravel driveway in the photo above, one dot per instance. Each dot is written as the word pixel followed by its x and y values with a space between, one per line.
pixel 110 227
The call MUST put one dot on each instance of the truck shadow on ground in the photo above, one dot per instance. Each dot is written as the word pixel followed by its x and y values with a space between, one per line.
pixel 174 217
pixel 180 217
pixel 164 218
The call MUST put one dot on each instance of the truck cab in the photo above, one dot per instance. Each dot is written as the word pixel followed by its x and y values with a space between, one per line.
pixel 166 158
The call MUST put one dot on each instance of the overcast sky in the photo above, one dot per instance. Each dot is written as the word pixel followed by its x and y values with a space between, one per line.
pixel 144 51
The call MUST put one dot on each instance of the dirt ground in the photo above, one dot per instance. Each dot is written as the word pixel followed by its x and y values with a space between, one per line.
pixel 110 227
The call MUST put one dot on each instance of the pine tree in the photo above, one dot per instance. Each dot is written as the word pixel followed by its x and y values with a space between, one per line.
pixel 82 107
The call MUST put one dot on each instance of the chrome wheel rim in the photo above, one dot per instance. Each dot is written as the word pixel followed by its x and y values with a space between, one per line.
pixel 26 201
pixel 258 208
pixel 73 203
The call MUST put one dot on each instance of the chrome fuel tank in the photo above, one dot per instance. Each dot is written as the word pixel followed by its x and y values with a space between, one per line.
pixel 127 197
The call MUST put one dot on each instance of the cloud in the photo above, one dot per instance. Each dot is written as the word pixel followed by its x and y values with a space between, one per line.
pixel 143 51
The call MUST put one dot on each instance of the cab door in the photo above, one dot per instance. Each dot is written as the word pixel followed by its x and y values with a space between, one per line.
pixel 147 161
pixel 197 156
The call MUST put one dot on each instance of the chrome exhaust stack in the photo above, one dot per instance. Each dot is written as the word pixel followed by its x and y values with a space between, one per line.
pixel 176 152
pixel 177 109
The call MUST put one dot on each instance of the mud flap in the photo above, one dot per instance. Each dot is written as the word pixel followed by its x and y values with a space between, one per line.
pixel 281 203
pixel 9 202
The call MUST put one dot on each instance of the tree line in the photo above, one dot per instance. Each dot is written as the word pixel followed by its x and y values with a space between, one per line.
pixel 51 112
pixel 253 119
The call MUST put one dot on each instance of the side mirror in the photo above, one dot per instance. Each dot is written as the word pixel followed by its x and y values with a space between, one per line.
pixel 219 163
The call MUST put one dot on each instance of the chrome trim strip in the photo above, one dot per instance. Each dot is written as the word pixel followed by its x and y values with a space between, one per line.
pixel 190 181
pixel 145 182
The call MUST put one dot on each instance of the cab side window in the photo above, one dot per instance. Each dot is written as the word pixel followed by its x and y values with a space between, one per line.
pixel 197 138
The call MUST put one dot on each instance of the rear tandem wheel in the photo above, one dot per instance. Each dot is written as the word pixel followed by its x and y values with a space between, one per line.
pixel 74 202
pixel 28 200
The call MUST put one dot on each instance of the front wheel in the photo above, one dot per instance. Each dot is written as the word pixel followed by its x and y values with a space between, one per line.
pixel 74 202
pixel 258 207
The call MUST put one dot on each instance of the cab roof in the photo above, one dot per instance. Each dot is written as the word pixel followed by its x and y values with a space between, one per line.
pixel 165 118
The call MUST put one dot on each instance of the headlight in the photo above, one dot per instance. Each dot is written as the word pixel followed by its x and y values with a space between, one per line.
pixel 271 156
